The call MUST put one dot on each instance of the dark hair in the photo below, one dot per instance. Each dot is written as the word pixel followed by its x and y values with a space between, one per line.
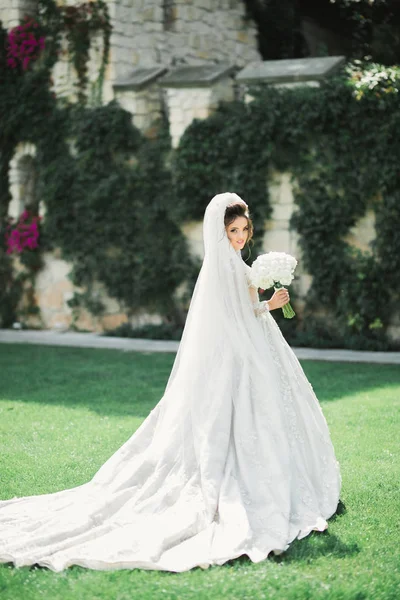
pixel 234 211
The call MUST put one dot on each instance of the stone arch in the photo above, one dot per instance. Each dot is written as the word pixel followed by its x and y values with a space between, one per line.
pixel 23 179
pixel 13 11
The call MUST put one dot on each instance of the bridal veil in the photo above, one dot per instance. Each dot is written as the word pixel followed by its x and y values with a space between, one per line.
pixel 236 458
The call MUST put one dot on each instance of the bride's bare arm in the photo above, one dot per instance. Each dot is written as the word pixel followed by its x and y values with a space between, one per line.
pixel 279 299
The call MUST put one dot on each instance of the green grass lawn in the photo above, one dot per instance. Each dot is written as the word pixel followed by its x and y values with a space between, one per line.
pixel 64 411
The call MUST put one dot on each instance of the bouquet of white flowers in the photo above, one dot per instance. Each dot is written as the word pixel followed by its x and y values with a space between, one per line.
pixel 274 269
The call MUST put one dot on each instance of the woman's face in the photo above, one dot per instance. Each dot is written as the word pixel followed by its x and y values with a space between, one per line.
pixel 238 232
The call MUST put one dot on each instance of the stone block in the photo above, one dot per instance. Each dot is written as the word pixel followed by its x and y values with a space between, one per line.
pixel 178 41
pixel 111 305
pixel 277 225
pixel 51 299
pixel 186 102
pixel 58 321
pixel 201 113
pixel 173 101
pixel 248 54
pixel 274 188
pixel 290 70
pixel 176 117
pixel 127 103
pixel 141 121
pixel 188 118
pixel 152 26
pixel 363 233
pixel 84 321
pixel 67 296
pixel 195 41
pixel 295 249
pixel 223 91
pixel 144 318
pixel 176 129
pixel 193 231
pixel 276 240
pixel 286 189
pixel 158 14
pixel 141 106
pixel 15 207
pixel 33 321
pixel 207 5
pixel 243 37
pixel 393 332
pixel 153 107
pixel 112 9
pixel 196 76
pixel 127 29
pixel 282 212
pixel 303 283
pixel 54 270
pixel 110 322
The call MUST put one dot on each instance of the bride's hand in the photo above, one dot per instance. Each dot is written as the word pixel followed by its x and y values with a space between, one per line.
pixel 279 299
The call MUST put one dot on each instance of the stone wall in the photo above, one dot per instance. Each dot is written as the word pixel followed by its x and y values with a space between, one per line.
pixel 53 292
pixel 189 103
pixel 65 77
pixel 149 33
pixel 54 289
pixel 146 33
pixel 145 105
pixel 13 11
pixel 278 236
pixel 194 32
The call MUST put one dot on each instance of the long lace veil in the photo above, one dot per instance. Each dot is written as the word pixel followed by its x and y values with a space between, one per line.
pixel 221 356
pixel 220 322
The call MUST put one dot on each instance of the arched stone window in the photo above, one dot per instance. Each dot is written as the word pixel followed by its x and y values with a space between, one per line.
pixel 23 179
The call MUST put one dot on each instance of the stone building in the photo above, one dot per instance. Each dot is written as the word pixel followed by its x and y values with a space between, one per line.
pixel 179 57
pixel 198 44
pixel 147 33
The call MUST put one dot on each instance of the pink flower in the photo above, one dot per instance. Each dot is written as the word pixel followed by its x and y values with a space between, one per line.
pixel 22 45
pixel 24 234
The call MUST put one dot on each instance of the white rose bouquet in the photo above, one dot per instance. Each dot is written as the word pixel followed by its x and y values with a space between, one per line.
pixel 274 269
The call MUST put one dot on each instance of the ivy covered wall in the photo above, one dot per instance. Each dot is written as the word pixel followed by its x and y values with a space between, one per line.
pixel 340 142
pixel 115 201
pixel 95 175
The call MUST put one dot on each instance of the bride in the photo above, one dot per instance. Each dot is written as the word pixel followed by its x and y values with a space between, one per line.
pixel 235 459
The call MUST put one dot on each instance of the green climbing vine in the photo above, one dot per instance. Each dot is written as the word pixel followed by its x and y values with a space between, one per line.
pixel 114 199
pixel 341 144
pixel 105 209
pixel 77 23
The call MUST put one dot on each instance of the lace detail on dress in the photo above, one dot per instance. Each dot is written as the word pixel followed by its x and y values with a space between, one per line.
pixel 329 469
pixel 259 308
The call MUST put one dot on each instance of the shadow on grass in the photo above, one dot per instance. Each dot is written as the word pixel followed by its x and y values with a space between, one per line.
pixel 115 383
pixel 313 546
pixel 333 381
pixel 107 382
pixel 316 545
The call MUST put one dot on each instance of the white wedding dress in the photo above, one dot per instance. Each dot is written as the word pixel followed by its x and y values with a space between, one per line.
pixel 235 459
